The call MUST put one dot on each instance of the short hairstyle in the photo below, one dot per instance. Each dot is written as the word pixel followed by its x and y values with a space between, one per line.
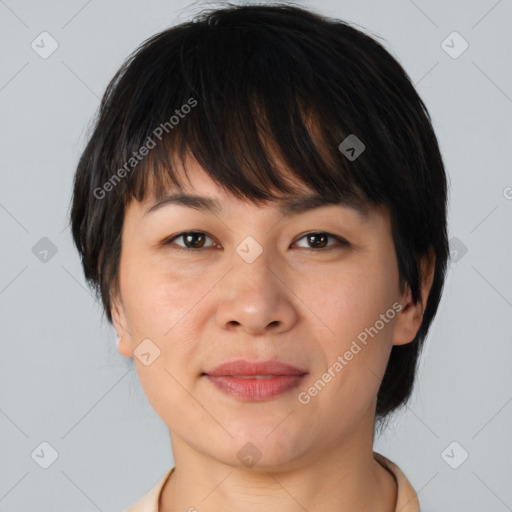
pixel 239 85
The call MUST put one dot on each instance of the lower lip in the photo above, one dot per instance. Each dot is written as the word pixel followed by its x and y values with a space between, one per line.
pixel 255 390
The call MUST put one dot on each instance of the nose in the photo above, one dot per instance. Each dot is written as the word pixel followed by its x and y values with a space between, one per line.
pixel 256 298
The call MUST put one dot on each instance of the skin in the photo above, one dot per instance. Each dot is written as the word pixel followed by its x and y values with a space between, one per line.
pixel 302 307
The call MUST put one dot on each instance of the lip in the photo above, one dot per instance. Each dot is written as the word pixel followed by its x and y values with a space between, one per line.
pixel 238 378
pixel 246 367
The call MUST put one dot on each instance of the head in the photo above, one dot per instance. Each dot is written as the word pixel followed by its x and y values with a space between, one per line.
pixel 250 106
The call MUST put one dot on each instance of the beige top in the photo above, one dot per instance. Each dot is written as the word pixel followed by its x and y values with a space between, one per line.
pixel 407 500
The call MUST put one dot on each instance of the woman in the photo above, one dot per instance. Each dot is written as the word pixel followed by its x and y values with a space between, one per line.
pixel 262 208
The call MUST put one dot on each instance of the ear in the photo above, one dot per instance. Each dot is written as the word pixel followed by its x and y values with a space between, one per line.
pixel 410 317
pixel 124 345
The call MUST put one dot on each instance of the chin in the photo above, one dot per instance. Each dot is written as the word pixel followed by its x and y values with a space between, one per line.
pixel 260 445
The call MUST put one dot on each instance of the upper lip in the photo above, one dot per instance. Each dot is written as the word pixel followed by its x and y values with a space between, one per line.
pixel 246 367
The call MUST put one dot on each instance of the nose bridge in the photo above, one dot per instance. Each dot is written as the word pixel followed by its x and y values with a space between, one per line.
pixel 253 297
pixel 253 272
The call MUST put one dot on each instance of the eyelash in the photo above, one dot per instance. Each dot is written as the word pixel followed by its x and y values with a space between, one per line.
pixel 170 241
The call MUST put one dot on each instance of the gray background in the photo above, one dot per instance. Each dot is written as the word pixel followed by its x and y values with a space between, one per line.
pixel 62 380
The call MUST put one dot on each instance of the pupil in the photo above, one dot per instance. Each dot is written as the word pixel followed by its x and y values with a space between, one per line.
pixel 317 235
pixel 190 239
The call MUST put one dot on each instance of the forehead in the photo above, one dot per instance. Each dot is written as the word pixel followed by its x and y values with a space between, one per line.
pixel 200 192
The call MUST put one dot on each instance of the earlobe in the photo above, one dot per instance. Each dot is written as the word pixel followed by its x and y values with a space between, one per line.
pixel 118 319
pixel 408 321
pixel 124 347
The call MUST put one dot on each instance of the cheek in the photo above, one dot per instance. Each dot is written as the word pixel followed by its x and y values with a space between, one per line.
pixel 156 300
pixel 347 300
pixel 165 308
pixel 359 349
pixel 161 309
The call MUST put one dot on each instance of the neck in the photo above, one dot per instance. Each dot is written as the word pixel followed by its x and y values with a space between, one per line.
pixel 344 477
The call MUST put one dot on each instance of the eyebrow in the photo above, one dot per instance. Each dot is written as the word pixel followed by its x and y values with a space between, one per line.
pixel 289 206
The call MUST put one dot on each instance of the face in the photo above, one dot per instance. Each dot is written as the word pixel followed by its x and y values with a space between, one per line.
pixel 316 290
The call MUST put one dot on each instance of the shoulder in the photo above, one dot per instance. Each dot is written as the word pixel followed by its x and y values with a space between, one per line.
pixel 407 499
pixel 149 502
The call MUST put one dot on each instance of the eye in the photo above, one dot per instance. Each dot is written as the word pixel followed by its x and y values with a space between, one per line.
pixel 195 240
pixel 192 240
pixel 318 240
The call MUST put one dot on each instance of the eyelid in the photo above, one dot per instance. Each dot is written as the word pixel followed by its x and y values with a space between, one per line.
pixel 170 241
pixel 341 241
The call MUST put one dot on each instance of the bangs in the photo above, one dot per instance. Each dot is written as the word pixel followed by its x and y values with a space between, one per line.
pixel 250 155
pixel 248 105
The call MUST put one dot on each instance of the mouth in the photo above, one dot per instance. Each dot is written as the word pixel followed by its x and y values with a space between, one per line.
pixel 255 376
pixel 248 368
pixel 255 380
